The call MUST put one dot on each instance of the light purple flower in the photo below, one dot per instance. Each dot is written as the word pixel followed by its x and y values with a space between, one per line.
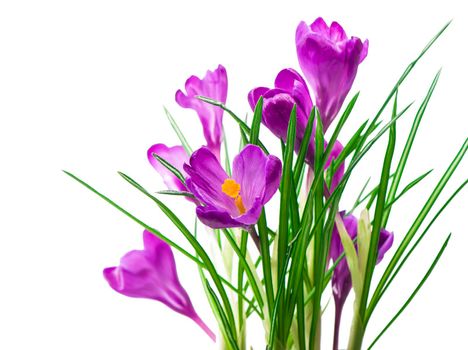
pixel 214 85
pixel 176 156
pixel 329 60
pixel 151 273
pixel 235 201
pixel 341 280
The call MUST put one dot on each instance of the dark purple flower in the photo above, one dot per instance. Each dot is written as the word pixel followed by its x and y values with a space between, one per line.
pixel 341 280
pixel 329 60
pixel 235 201
pixel 290 88
pixel 151 273
pixel 213 85
pixel 176 156
pixel 278 102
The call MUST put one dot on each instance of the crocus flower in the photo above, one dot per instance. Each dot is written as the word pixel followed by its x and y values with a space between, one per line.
pixel 176 156
pixel 290 88
pixel 329 60
pixel 151 273
pixel 213 85
pixel 235 201
pixel 341 280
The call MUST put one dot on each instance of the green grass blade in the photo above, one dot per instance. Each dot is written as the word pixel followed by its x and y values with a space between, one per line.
pixel 245 266
pixel 406 189
pixel 408 146
pixel 420 238
pixel 417 224
pixel 176 193
pixel 408 301
pixel 178 132
pixel 299 166
pixel 257 119
pixel 170 167
pixel 135 219
pixel 283 227
pixel 407 71
pixel 266 261
pixel 378 217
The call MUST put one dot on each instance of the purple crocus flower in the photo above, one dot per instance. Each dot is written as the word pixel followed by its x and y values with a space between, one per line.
pixel 151 273
pixel 341 280
pixel 290 88
pixel 329 60
pixel 176 156
pixel 235 201
pixel 213 85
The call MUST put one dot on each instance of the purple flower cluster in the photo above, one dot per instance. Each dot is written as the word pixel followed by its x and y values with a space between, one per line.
pixel 329 61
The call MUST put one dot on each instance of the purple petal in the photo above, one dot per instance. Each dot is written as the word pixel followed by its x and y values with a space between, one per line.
pixel 176 156
pixel 206 177
pixel 257 174
pixel 385 243
pixel 254 96
pixel 337 148
pixel 151 273
pixel 290 89
pixel 329 61
pixel 213 85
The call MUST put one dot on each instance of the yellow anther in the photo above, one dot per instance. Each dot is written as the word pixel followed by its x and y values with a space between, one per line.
pixel 231 188
pixel 240 205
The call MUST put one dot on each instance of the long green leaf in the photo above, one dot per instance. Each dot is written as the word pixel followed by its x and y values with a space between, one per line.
pixel 409 143
pixel 257 119
pixel 416 225
pixel 178 132
pixel 413 294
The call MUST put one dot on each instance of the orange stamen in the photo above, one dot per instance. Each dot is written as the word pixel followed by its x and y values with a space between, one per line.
pixel 231 188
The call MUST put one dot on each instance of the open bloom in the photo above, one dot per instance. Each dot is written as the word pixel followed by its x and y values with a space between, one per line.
pixel 329 60
pixel 235 201
pixel 213 85
pixel 151 273
pixel 176 156
pixel 341 280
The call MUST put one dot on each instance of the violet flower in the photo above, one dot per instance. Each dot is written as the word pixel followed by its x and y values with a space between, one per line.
pixel 329 60
pixel 213 85
pixel 235 201
pixel 291 89
pixel 176 156
pixel 341 280
pixel 151 273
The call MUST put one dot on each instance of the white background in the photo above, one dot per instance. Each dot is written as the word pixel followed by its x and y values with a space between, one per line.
pixel 82 85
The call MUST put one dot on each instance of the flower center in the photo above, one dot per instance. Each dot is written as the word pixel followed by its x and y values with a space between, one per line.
pixel 231 188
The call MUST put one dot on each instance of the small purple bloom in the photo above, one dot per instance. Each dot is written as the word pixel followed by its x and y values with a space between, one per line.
pixel 329 60
pixel 176 156
pixel 235 201
pixel 341 280
pixel 213 85
pixel 151 273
